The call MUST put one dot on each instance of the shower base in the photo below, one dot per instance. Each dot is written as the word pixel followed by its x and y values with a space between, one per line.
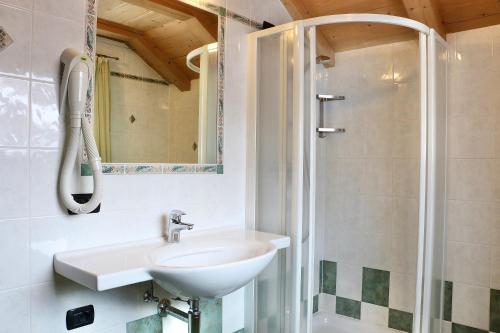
pixel 330 323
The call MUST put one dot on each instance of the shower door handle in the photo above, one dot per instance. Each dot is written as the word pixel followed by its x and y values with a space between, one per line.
pixel 330 130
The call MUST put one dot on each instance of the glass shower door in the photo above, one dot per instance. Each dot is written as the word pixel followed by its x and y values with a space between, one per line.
pixel 281 173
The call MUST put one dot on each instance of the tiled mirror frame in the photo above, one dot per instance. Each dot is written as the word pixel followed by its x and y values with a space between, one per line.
pixel 164 168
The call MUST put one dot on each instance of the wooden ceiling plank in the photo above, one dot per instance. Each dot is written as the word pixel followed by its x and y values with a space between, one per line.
pixel 208 20
pixel 155 58
pixel 159 8
pixel 298 11
pixel 427 12
pixel 146 49
pixel 473 23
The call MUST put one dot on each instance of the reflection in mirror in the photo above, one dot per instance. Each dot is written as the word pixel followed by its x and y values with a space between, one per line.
pixel 156 76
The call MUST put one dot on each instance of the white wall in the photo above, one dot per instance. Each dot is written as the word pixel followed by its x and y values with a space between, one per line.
pixel 33 225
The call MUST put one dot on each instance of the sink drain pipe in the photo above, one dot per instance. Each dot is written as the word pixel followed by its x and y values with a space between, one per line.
pixel 194 313
pixel 165 308
pixel 192 317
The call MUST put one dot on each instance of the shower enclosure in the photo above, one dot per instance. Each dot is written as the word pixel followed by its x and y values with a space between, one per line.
pixel 357 181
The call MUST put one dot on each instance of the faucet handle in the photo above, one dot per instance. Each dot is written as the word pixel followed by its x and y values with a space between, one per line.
pixel 176 215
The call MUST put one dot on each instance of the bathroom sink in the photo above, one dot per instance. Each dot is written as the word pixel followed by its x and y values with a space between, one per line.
pixel 210 268
pixel 203 264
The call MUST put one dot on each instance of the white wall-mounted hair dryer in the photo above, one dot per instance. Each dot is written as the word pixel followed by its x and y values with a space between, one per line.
pixel 73 94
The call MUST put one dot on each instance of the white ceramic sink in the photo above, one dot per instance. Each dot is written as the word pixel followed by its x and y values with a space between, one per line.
pixel 203 264
pixel 210 268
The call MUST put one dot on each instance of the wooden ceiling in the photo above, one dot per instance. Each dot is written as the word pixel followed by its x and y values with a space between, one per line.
pixel 445 16
pixel 161 32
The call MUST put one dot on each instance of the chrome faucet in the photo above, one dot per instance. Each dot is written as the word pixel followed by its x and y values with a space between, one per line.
pixel 175 226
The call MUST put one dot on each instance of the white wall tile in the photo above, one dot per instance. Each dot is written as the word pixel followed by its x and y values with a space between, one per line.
pixel 44 172
pixel 326 303
pixel 375 314
pixel 472 134
pixel 15 310
pixel 378 212
pixel 74 10
pixel 471 305
pixel 50 235
pixel 14 187
pixel 406 177
pixel 468 263
pixel 51 35
pixel 349 280
pixel 445 326
pixel 46 125
pixel 473 179
pixel 14 254
pixel 14 97
pixel 50 301
pixel 376 251
pixel 471 222
pixel 402 295
pixel 378 176
pixel 25 4
pixel 15 60
pixel 495 267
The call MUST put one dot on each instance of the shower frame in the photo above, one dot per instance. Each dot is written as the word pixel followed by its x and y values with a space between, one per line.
pixel 432 164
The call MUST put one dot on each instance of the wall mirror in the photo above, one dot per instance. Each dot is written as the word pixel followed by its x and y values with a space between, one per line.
pixel 158 84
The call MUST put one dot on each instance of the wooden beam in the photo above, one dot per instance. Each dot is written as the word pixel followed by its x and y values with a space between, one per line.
pixel 208 20
pixel 151 54
pixel 427 12
pixel 298 11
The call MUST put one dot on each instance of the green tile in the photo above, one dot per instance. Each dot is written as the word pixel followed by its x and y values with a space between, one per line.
pixel 448 300
pixel 348 307
pixel 375 286
pixel 315 303
pixel 457 328
pixel 220 169
pixel 328 277
pixel 495 310
pixel 151 324
pixel 400 320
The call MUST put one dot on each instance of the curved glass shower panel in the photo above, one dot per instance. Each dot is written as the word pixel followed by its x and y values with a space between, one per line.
pixel 349 161
pixel 368 206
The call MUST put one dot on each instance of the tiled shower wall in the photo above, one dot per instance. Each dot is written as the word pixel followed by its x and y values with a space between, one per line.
pixel 33 225
pixel 473 248
pixel 369 177
pixel 362 220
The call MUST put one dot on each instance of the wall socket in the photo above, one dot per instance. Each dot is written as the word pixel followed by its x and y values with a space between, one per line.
pixel 79 317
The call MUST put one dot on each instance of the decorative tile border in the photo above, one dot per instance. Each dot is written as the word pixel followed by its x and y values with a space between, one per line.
pixel 153 168
pixel 494 312
pixel 348 307
pixel 400 320
pixel 374 290
pixel 126 168
pixel 328 277
pixel 375 287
